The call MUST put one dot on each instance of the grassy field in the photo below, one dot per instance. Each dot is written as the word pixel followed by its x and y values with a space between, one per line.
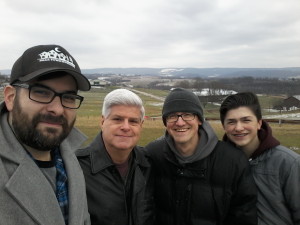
pixel 89 115
pixel 88 119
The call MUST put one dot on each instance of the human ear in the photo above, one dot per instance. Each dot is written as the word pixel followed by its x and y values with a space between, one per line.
pixel 259 124
pixel 102 120
pixel 199 122
pixel 9 97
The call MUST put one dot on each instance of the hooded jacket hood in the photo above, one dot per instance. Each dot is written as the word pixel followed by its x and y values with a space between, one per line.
pixel 266 138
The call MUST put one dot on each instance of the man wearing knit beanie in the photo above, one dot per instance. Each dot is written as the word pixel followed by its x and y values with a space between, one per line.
pixel 198 179
pixel 182 100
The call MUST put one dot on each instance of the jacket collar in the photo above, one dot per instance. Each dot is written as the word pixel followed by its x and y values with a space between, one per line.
pixel 267 140
pixel 100 159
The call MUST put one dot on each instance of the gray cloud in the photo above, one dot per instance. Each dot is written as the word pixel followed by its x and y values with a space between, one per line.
pixel 142 33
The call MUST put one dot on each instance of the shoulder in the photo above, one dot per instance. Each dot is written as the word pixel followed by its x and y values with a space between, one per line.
pixel 139 151
pixel 83 152
pixel 282 157
pixel 159 142
pixel 225 154
pixel 286 153
pixel 155 148
pixel 75 139
pixel 228 150
pixel 86 151
pixel 141 156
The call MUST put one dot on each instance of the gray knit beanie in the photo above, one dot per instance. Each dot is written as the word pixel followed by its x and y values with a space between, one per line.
pixel 181 100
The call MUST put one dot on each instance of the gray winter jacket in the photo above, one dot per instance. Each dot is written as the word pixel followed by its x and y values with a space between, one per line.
pixel 276 171
pixel 26 196
pixel 277 174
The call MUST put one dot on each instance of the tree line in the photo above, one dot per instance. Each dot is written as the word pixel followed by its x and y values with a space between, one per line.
pixel 268 86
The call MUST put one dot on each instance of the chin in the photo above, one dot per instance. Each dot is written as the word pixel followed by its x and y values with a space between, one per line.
pixel 122 147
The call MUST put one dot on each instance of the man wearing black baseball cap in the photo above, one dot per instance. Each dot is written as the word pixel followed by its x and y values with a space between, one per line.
pixel 198 179
pixel 40 179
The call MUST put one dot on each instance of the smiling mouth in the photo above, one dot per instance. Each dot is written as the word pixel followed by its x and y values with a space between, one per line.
pixel 239 135
pixel 123 136
pixel 181 130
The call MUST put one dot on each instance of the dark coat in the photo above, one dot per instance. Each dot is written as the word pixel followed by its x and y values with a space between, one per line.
pixel 217 189
pixel 110 200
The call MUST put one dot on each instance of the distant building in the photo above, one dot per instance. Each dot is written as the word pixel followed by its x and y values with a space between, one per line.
pixel 213 95
pixel 101 83
pixel 290 103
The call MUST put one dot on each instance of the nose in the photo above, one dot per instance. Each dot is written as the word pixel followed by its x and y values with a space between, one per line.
pixel 239 126
pixel 125 125
pixel 180 121
pixel 55 106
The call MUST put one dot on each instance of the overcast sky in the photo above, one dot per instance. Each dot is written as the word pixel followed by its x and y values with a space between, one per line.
pixel 156 33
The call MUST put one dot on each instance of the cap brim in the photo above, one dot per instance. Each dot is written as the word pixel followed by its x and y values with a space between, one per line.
pixel 83 83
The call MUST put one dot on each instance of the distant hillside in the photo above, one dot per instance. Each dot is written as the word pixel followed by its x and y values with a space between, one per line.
pixel 5 72
pixel 201 72
pixel 193 72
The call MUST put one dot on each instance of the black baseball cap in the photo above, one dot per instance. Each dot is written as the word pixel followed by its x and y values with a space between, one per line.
pixel 42 60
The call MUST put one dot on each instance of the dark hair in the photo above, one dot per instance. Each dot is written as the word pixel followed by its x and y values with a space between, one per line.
pixel 246 99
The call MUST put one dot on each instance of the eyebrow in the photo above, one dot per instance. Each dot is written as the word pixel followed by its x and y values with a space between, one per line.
pixel 244 117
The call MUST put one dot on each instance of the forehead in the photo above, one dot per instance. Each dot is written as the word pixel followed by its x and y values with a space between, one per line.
pixel 125 110
pixel 239 112
pixel 62 83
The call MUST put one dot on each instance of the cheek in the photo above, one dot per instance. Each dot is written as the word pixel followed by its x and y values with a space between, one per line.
pixel 169 129
pixel 228 129
pixel 108 129
pixel 137 131
pixel 169 126
pixel 71 115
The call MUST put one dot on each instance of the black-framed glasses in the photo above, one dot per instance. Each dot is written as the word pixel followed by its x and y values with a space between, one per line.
pixel 43 94
pixel 184 116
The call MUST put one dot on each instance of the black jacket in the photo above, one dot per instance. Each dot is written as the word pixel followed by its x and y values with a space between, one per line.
pixel 110 201
pixel 217 189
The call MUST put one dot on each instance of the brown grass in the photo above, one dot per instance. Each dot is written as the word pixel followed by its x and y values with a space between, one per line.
pixel 88 119
pixel 287 134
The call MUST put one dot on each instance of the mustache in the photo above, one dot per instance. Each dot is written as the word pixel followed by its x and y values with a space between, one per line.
pixel 49 119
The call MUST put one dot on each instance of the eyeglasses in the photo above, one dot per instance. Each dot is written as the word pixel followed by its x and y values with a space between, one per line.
pixel 43 94
pixel 185 116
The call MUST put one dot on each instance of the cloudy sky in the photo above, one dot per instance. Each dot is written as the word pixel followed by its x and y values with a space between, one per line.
pixel 156 33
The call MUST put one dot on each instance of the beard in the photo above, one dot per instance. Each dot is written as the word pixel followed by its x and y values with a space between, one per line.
pixel 27 132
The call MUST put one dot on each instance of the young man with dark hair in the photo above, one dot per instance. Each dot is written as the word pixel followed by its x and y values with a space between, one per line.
pixel 275 168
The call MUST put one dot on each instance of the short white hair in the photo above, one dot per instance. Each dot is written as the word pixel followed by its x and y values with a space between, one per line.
pixel 122 97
